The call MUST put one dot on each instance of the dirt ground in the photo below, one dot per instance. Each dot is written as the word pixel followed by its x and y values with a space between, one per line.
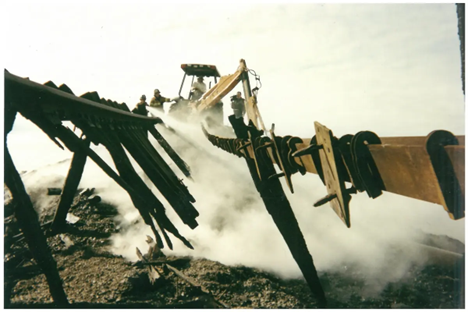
pixel 94 278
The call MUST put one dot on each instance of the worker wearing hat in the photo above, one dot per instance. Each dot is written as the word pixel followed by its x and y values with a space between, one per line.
pixel 198 88
pixel 238 105
pixel 140 108
pixel 157 101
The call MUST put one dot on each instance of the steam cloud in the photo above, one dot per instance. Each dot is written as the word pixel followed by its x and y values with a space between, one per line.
pixel 235 228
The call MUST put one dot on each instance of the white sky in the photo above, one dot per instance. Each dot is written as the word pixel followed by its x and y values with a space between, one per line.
pixel 393 69
pixel 390 68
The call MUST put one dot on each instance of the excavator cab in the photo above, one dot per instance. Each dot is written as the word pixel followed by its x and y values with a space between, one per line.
pixel 198 70
pixel 188 96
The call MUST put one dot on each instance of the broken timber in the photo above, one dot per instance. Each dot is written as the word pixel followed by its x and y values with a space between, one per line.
pixel 277 206
pixel 69 188
pixel 28 221
pixel 430 168
pixel 101 122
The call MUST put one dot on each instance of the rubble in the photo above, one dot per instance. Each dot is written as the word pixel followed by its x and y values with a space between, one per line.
pixel 94 278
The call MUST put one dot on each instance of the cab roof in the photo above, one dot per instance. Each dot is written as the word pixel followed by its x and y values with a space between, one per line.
pixel 200 70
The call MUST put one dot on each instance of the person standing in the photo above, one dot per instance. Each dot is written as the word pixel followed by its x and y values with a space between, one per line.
pixel 157 101
pixel 238 105
pixel 198 89
pixel 140 108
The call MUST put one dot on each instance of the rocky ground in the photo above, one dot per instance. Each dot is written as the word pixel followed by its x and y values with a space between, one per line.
pixel 94 278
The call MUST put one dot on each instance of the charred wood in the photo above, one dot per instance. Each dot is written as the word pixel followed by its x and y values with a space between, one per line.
pixel 170 151
pixel 161 176
pixel 51 191
pixel 28 221
pixel 69 189
pixel 280 210
pixel 150 207
pixel 195 284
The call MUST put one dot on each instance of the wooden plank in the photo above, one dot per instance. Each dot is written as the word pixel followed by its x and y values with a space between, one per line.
pixel 306 160
pixel 414 140
pixel 74 144
pixel 456 154
pixel 31 95
pixel 69 188
pixel 28 222
pixel 279 208
pixel 407 171
pixel 161 176
pixel 334 183
pixel 170 151
pixel 144 200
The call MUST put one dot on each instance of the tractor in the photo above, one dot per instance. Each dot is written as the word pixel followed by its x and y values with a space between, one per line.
pixel 185 108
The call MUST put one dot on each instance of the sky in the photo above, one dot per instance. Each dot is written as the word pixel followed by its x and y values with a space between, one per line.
pixel 390 68
pixel 393 69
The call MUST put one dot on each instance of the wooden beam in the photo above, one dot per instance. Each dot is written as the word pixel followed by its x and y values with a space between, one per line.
pixel 69 188
pixel 279 208
pixel 144 200
pixel 161 175
pixel 170 151
pixel 28 222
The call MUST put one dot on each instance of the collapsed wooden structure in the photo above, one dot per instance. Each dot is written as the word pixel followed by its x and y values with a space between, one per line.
pixel 103 122
pixel 428 168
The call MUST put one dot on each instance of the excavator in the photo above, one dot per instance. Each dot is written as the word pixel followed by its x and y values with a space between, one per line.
pixel 429 168
pixel 366 161
pixel 184 108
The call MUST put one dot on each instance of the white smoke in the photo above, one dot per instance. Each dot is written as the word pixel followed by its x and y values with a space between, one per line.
pixel 235 228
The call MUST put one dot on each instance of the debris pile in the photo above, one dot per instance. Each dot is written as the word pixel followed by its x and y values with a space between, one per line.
pixel 95 278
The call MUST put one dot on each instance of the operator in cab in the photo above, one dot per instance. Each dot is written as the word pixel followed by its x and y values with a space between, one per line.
pixel 157 101
pixel 238 105
pixel 198 88
pixel 140 108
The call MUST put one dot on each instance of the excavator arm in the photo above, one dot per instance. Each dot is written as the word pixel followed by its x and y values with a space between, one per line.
pixel 221 89
pixel 429 168
pixel 225 85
